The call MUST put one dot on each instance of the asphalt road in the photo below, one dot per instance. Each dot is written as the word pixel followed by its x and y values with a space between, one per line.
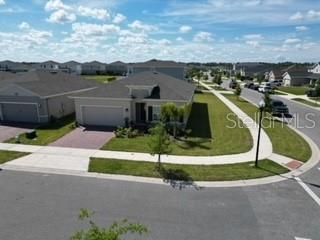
pixel 41 206
pixel 38 206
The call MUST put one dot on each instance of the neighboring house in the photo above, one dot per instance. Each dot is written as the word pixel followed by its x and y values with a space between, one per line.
pixel 275 75
pixel 253 70
pixel 9 66
pixel 48 65
pixel 315 69
pixel 137 98
pixel 116 68
pixel 93 68
pixel 296 76
pixel 39 96
pixel 73 67
pixel 171 68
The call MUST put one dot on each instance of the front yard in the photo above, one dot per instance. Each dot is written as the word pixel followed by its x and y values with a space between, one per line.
pixel 6 156
pixel 101 78
pixel 228 172
pixel 294 90
pixel 209 136
pixel 312 104
pixel 48 133
pixel 284 140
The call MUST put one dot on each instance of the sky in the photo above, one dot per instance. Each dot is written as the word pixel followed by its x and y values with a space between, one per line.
pixel 180 30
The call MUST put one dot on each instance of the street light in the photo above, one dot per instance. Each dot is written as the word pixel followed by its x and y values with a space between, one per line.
pixel 262 105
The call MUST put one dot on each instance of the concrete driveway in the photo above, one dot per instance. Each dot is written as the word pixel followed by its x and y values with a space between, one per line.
pixel 10 131
pixel 89 138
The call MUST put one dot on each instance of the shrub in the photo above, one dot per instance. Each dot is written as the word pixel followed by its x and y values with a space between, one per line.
pixel 123 132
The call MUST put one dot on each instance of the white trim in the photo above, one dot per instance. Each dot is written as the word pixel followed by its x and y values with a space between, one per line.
pixel 25 103
pixel 308 190
pixel 103 106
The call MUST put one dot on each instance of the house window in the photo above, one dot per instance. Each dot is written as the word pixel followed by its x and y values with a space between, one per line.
pixel 156 112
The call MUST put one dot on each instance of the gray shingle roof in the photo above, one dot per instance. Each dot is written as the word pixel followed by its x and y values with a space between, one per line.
pixel 170 87
pixel 44 83
pixel 159 63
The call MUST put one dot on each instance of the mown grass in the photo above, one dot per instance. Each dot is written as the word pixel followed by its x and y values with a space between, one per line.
pixel 294 90
pixel 210 134
pixel 6 156
pixel 285 141
pixel 101 78
pixel 228 172
pixel 48 133
pixel 312 104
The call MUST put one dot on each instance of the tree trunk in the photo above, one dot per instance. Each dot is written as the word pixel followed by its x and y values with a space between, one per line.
pixel 159 161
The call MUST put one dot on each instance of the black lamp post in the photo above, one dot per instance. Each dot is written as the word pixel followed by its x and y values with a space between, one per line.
pixel 262 105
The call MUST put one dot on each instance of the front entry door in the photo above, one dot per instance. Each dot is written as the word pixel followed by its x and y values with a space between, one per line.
pixel 140 113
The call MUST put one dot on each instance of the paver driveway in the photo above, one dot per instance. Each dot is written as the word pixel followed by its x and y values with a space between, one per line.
pixel 10 131
pixel 90 138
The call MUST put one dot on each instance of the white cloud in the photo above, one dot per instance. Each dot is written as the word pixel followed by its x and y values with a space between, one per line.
pixel 2 2
pixel 88 29
pixel 313 15
pixel 185 29
pixel 53 5
pixel 292 41
pixel 140 26
pixel 119 18
pixel 164 42
pixel 253 37
pixel 302 28
pixel 179 39
pixel 297 16
pixel 254 44
pixel 62 16
pixel 24 26
pixel 101 14
pixel 203 37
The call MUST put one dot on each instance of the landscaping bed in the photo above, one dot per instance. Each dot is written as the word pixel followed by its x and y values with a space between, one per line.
pixel 6 156
pixel 285 141
pixel 209 134
pixel 227 172
pixel 48 133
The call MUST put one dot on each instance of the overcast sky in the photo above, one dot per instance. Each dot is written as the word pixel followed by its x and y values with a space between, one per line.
pixel 182 30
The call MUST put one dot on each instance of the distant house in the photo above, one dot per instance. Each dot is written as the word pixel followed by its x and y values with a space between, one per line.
pixel 315 69
pixel 137 98
pixel 39 96
pixel 276 74
pixel 93 68
pixel 10 66
pixel 116 68
pixel 252 70
pixel 48 65
pixel 171 68
pixel 72 67
pixel 296 76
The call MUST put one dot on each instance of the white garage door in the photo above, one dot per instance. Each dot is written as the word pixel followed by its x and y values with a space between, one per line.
pixel 102 116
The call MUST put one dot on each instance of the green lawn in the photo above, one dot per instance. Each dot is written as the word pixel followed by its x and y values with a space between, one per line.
pixel 48 133
pixel 294 90
pixel 209 136
pixel 285 141
pixel 6 156
pixel 312 104
pixel 228 172
pixel 101 78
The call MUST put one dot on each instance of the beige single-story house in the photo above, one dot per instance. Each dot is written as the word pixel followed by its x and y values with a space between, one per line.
pixel 137 98
pixel 39 96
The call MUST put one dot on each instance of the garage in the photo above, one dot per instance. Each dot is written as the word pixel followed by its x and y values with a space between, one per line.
pixel 19 112
pixel 102 116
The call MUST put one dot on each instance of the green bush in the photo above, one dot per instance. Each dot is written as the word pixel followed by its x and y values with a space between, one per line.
pixel 123 132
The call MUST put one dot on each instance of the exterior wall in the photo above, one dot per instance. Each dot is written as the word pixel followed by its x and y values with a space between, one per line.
pixel 299 81
pixel 286 80
pixel 316 69
pixel 79 102
pixel 116 69
pixel 60 106
pixel 40 103
pixel 93 69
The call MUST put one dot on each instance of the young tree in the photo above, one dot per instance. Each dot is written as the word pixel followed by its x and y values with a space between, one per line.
pixel 238 91
pixel 170 111
pixel 267 100
pixel 115 232
pixel 159 141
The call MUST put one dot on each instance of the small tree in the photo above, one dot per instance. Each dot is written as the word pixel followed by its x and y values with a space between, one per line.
pixel 199 76
pixel 238 91
pixel 115 232
pixel 268 104
pixel 159 141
